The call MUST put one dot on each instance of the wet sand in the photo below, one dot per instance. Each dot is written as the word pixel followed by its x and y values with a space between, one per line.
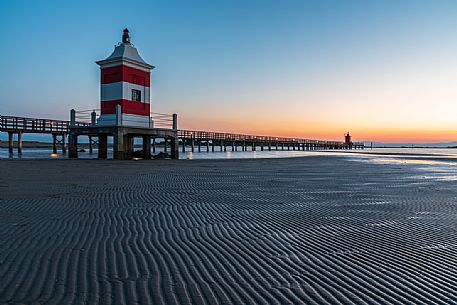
pixel 312 230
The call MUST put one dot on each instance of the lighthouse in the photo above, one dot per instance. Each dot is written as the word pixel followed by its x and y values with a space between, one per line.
pixel 125 87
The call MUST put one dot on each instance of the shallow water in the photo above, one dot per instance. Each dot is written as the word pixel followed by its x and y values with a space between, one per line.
pixel 381 155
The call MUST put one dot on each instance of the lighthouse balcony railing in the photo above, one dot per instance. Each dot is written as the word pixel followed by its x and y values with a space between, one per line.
pixel 162 120
pixel 88 117
pixel 154 120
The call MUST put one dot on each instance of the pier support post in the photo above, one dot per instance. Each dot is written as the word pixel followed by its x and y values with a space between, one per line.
pixel 221 143
pixel 93 117
pixel 19 142
pixel 165 148
pixel 175 147
pixel 253 146
pixel 91 150
pixel 72 118
pixel 146 147
pixel 207 145
pixel 54 144
pixel 64 143
pixel 212 145
pixel 225 146
pixel 102 146
pixel 199 145
pixel 233 146
pixel 192 145
pixel 269 146
pixel 154 145
pixel 10 142
pixel 73 146
pixel 183 145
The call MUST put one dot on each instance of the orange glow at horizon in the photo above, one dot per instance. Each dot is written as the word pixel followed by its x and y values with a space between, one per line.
pixel 326 131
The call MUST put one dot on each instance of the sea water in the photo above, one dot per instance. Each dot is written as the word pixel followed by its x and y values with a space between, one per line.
pixel 416 155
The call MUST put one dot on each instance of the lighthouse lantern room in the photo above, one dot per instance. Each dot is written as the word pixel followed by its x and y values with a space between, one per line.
pixel 125 87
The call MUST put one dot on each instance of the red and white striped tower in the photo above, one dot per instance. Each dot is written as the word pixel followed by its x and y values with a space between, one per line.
pixel 125 81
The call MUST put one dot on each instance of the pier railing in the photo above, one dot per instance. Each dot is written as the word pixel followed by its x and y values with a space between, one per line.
pixel 34 125
pixel 234 137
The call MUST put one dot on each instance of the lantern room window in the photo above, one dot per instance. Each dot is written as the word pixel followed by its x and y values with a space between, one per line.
pixel 136 95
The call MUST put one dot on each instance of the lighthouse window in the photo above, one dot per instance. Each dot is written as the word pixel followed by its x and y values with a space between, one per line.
pixel 136 95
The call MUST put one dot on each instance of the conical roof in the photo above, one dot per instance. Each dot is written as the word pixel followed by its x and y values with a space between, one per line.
pixel 125 52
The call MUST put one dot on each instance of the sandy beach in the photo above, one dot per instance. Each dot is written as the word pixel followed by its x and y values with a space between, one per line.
pixel 311 230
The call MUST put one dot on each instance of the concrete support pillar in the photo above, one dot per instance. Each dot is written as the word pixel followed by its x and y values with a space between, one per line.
pixel 225 146
pixel 153 145
pixel 236 147
pixel 118 146
pixel 102 146
pixel 282 146
pixel 269 146
pixel 192 145
pixel 221 143
pixel 128 147
pixel 146 147
pixel 175 147
pixel 73 146
pixel 165 142
pixel 19 143
pixel 64 143
pixel 10 142
pixel 199 145
pixel 253 146
pixel 233 146
pixel 261 146
pixel 183 145
pixel 212 145
pixel 207 145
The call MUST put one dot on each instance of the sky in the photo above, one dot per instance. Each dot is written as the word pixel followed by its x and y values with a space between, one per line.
pixel 384 70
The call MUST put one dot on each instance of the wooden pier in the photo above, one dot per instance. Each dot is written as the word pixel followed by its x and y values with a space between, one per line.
pixel 220 141
pixel 19 125
pixel 165 127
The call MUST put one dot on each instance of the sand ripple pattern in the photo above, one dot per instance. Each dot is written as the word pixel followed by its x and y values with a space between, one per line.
pixel 315 230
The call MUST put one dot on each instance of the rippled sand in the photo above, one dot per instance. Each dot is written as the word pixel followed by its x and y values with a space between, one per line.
pixel 311 230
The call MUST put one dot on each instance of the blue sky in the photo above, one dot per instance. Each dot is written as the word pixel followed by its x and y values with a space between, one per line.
pixel 382 69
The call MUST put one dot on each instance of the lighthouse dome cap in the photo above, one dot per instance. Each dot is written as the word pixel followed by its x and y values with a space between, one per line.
pixel 125 52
